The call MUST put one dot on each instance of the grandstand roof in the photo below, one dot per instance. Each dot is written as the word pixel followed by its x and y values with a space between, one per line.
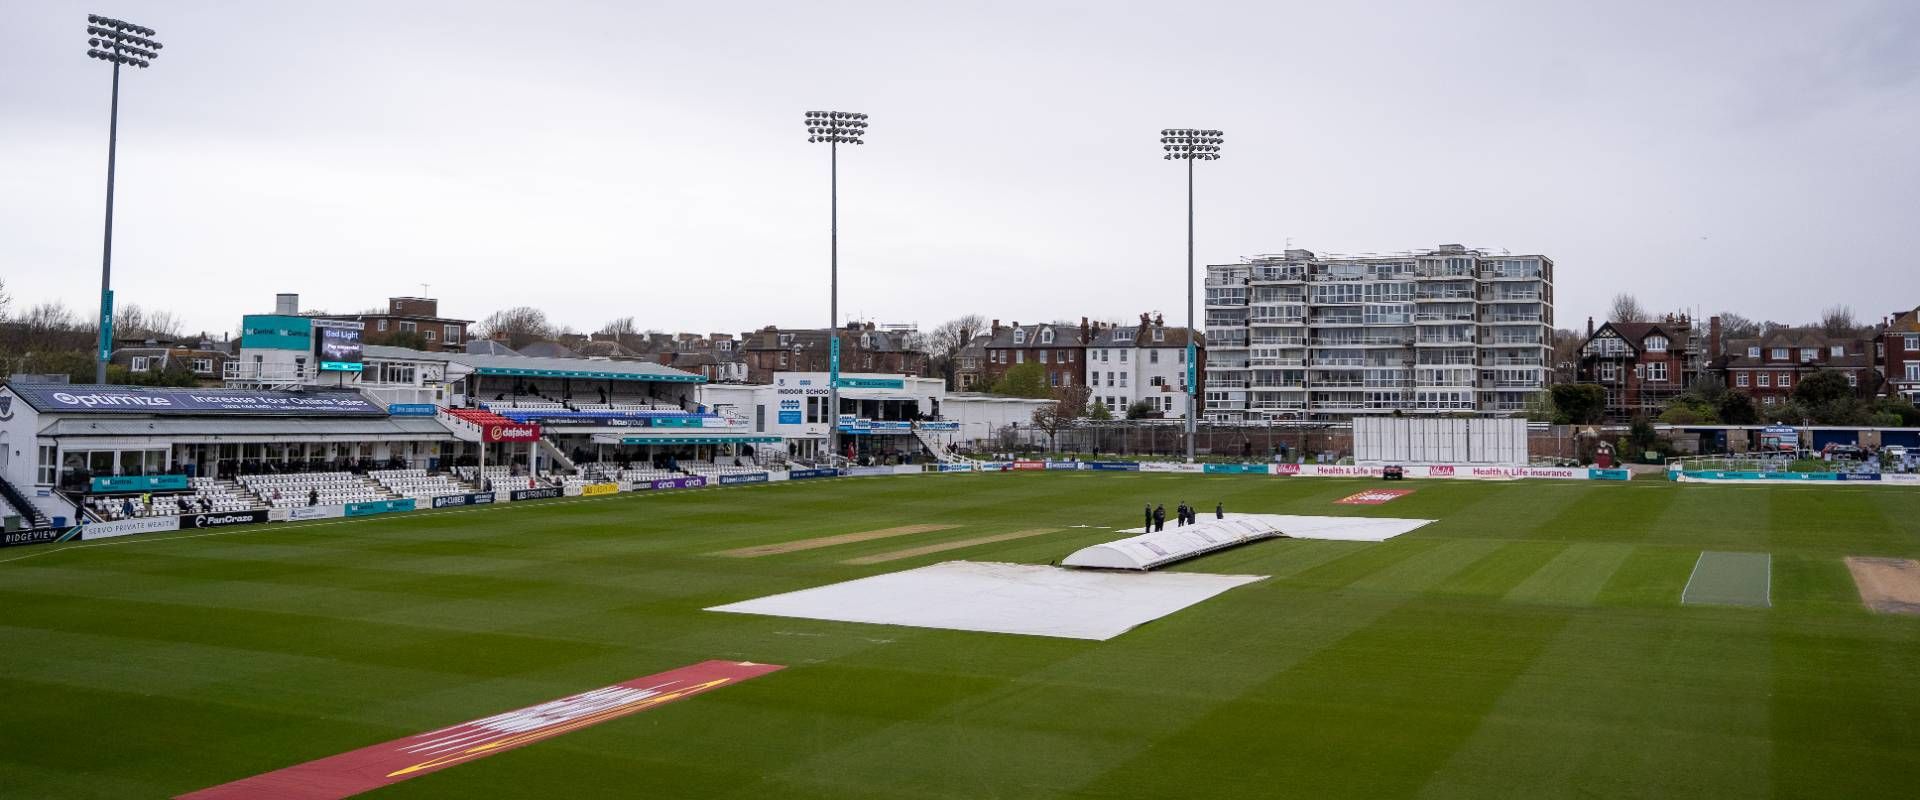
pixel 539 367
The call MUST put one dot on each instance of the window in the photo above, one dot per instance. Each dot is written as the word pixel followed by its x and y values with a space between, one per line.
pixel 49 465
pixel 1103 356
pixel 203 365
pixel 1656 344
pixel 380 326
pixel 1913 372
pixel 1769 399
pixel 1046 336
pixel 1043 356
pixel 1019 336
pixel 1640 372
pixel 1766 380
pixel 1786 380
pixel 1657 372
pixel 1779 354
pixel 140 363
pixel 451 333
pixel 1912 342
pixel 1069 355
pixel 1853 379
pixel 1809 354
pixel 1740 380
pixel 1123 380
pixel 783 360
pixel 1159 334
pixel 1608 372
pixel 1753 352
pixel 1123 356
pixel 786 339
pixel 428 334
pixel 1019 356
pixel 407 327
pixel 1153 356
pixel 1120 335
pixel 1054 377
pixel 1837 350
pixel 1066 379
pixel 1110 380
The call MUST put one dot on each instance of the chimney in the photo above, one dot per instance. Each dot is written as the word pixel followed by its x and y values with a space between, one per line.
pixel 996 327
pixel 1589 327
pixel 1159 320
pixel 1713 336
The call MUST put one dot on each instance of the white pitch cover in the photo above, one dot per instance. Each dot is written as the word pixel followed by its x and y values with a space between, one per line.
pixel 1001 598
pixel 1150 550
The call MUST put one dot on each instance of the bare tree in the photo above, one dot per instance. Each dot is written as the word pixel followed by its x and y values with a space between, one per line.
pixel 619 328
pixel 943 346
pixel 1838 321
pixel 1735 326
pixel 137 322
pixel 518 326
pixel 6 300
pixel 53 316
pixel 1626 309
pixel 1069 404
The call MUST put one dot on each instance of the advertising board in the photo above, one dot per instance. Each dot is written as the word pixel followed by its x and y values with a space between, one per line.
pixel 1170 466
pixel 139 483
pixel 221 520
pixel 953 466
pixel 1023 464
pixel 689 482
pixel 57 397
pixel 534 494
pixel 803 474
pixel 339 347
pixel 457 500
pixel 596 489
pixel 1073 465
pixel 379 507
pixel 128 527
pixel 754 477
pixel 1234 469
pixel 510 433
pixel 412 409
pixel 1114 466
pixel 298 513
pixel 40 536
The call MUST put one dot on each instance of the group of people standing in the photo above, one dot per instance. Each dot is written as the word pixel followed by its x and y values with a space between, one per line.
pixel 1183 515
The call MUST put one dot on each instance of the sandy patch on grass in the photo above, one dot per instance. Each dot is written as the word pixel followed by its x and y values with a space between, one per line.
pixel 829 541
pixel 942 547
pixel 1887 585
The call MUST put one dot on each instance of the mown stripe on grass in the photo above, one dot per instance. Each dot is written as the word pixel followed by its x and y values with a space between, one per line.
pixel 1351 704
pixel 1587 720
pixel 1422 572
pixel 800 545
pixel 1842 705
pixel 1650 577
pixel 1575 577
pixel 911 552
pixel 1500 571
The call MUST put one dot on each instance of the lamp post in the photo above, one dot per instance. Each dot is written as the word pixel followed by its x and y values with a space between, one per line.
pixel 1190 145
pixel 834 128
pixel 118 43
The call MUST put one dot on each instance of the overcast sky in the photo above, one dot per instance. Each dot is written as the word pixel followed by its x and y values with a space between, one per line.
pixel 607 159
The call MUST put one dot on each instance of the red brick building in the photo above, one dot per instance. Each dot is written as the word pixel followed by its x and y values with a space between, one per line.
pixel 1061 349
pixel 1897 351
pixel 1642 365
pixel 408 317
pixel 1770 366
pixel 863 348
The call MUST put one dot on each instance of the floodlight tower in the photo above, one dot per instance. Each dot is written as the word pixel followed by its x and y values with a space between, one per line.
pixel 1190 145
pixel 834 128
pixel 120 43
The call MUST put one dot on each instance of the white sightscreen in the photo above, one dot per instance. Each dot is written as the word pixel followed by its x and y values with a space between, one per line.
pixel 1421 440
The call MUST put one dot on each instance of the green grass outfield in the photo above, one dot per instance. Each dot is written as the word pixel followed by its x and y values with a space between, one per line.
pixel 1531 643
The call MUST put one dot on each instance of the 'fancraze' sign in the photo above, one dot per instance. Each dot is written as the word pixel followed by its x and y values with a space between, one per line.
pixel 222 520
pixel 168 400
pixel 510 433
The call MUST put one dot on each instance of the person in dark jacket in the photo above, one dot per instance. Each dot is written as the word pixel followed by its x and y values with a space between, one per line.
pixel 313 497
pixel 1149 526
pixel 1219 510
pixel 1159 518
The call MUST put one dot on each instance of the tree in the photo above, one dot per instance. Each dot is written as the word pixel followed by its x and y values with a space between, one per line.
pixel 1100 413
pixel 6 300
pixel 1069 404
pixel 1734 326
pixel 943 346
pixel 414 340
pixel 518 326
pixel 1140 410
pixel 1024 380
pixel 1626 309
pixel 1837 321
pixel 132 321
pixel 1736 408
pixel 619 328
pixel 1580 403
pixel 1824 386
pixel 1540 408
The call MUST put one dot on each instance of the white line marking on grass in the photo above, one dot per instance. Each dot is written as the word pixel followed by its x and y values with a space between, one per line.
pixel 1696 570
pixel 1769 580
pixel 277 527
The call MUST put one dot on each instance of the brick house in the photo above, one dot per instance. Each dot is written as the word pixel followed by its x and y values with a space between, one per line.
pixel 1770 366
pixel 411 315
pixel 1642 365
pixel 1059 348
pixel 863 348
pixel 1897 351
pixel 970 365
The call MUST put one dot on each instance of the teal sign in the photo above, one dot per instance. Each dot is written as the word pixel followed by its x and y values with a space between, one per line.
pixel 106 324
pixel 140 483
pixel 1235 469
pixel 677 422
pixel 1193 364
pixel 379 507
pixel 276 332
pixel 1598 474
pixel 870 383
pixel 413 409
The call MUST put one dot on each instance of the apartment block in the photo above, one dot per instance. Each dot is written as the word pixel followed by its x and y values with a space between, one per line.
pixel 1451 330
